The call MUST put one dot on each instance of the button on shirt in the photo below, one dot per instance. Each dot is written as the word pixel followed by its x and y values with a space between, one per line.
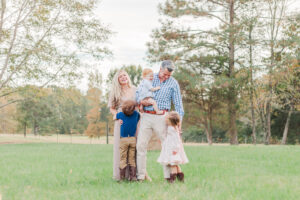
pixel 169 92
pixel 128 128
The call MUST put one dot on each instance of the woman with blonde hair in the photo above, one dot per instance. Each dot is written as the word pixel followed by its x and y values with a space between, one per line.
pixel 121 90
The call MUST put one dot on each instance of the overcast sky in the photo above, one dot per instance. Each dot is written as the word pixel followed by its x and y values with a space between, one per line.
pixel 132 20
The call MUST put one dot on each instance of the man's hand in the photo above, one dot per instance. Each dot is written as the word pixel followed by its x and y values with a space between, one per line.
pixel 174 153
pixel 179 129
pixel 146 103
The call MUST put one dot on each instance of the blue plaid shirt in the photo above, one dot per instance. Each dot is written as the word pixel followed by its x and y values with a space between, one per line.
pixel 169 91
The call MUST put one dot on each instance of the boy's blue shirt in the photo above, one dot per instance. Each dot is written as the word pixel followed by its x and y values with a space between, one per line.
pixel 128 128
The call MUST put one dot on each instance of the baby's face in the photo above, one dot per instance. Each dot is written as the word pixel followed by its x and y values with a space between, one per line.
pixel 149 77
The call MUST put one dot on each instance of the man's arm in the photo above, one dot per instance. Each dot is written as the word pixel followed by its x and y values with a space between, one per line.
pixel 177 101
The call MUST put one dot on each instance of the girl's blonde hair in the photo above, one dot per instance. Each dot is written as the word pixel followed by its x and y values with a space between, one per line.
pixel 116 89
pixel 174 118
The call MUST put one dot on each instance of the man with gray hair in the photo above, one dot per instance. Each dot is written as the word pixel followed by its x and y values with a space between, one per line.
pixel 150 121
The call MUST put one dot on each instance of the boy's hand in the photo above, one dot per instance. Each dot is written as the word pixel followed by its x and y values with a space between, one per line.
pixel 120 121
pixel 174 152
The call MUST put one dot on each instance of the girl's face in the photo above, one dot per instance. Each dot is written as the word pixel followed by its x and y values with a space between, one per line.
pixel 149 77
pixel 123 79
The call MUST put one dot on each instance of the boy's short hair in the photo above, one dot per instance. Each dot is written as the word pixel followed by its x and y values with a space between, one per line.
pixel 128 107
pixel 146 71
pixel 174 118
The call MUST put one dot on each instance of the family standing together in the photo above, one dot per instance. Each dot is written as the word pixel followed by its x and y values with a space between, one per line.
pixel 133 130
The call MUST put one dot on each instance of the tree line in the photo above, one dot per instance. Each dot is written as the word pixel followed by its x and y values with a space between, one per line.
pixel 240 79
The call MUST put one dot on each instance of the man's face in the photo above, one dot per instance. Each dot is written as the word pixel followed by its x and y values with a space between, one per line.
pixel 164 74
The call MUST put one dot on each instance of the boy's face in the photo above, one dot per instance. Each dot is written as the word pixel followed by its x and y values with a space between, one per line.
pixel 149 77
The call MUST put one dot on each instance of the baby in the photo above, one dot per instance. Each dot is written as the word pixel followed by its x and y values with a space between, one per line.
pixel 146 90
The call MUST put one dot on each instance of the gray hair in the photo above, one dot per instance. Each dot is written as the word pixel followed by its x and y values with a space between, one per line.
pixel 168 64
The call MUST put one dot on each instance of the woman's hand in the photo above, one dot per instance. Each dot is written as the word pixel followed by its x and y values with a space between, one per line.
pixel 113 111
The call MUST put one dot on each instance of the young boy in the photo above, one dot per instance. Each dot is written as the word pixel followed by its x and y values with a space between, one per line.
pixel 130 118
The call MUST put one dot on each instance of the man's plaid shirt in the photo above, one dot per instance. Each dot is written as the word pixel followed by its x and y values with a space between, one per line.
pixel 169 91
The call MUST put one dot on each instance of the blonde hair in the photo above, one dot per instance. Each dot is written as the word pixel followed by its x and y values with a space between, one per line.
pixel 146 71
pixel 116 89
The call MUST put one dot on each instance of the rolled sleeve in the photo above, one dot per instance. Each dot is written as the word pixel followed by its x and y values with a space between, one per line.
pixel 177 100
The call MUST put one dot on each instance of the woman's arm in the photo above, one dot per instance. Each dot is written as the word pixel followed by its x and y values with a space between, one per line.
pixel 113 112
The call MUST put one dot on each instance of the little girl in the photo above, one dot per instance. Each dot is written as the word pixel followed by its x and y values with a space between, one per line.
pixel 172 153
pixel 146 90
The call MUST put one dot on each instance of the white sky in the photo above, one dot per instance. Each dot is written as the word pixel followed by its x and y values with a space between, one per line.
pixel 132 20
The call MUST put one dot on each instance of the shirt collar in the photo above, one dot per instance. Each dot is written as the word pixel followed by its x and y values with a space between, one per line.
pixel 157 78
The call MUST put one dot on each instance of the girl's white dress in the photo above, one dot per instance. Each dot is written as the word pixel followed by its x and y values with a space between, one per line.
pixel 170 144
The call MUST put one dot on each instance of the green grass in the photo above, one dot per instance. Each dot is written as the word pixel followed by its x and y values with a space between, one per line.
pixel 69 171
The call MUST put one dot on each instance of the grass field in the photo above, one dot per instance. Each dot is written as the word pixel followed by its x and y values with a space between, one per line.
pixel 81 171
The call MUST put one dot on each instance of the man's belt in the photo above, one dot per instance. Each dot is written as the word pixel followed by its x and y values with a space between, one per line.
pixel 153 112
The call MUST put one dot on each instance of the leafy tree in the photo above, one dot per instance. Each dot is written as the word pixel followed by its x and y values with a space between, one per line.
pixel 95 127
pixel 288 86
pixel 93 115
pixel 32 111
pixel 43 41
pixel 276 14
pixel 52 110
pixel 7 113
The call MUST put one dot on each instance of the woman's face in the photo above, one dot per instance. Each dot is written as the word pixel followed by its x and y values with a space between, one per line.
pixel 123 79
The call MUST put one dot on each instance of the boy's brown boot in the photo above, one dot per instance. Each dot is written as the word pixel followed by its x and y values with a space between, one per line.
pixel 132 173
pixel 172 178
pixel 180 176
pixel 122 173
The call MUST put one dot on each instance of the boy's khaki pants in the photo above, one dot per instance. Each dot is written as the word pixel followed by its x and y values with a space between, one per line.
pixel 149 123
pixel 127 147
